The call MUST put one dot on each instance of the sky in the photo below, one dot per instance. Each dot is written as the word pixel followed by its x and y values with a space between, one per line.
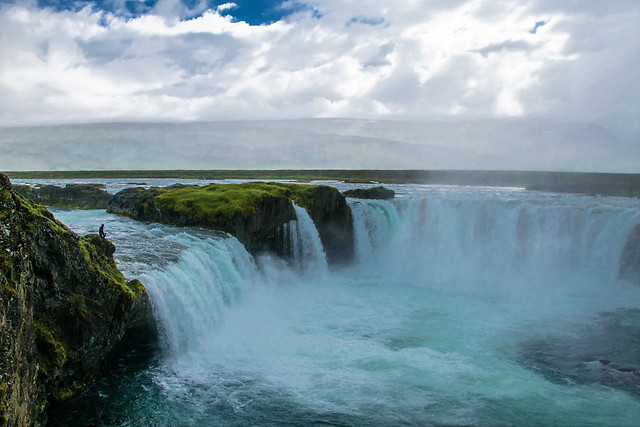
pixel 422 84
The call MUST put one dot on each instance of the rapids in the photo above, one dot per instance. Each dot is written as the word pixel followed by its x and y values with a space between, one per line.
pixel 465 306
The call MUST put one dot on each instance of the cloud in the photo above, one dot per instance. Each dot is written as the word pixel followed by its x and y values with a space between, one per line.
pixel 426 60
pixel 366 21
pixel 508 45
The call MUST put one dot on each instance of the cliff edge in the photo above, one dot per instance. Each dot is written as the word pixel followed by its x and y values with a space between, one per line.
pixel 64 306
pixel 255 213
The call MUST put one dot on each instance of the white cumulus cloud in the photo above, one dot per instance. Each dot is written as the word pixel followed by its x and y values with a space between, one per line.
pixel 418 60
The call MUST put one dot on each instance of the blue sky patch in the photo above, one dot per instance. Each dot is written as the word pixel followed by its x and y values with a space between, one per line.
pixel 253 12
pixel 538 25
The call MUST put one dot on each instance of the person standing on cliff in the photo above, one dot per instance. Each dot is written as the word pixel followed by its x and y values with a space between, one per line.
pixel 101 231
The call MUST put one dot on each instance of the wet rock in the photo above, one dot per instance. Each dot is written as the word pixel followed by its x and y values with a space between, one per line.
pixel 255 213
pixel 370 193
pixel 64 306
pixel 76 196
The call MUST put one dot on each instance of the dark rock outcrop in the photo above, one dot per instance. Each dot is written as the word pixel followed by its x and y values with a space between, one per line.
pixel 255 213
pixel 76 196
pixel 64 306
pixel 259 232
pixel 332 216
pixel 23 190
pixel 629 268
pixel 370 193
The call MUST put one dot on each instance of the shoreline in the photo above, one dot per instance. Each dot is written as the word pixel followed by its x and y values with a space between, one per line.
pixel 591 183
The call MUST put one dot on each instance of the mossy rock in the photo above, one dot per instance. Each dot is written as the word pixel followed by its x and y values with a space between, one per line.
pixel 370 193
pixel 65 307
pixel 253 212
pixel 23 190
pixel 75 196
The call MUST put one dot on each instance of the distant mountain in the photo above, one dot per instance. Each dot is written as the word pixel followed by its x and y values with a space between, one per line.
pixel 320 144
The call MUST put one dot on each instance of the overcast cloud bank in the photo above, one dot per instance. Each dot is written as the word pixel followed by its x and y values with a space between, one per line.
pixel 319 144
pixel 423 61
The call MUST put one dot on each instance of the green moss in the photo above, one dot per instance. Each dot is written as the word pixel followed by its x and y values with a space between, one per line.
pixel 42 213
pixel 137 287
pixel 5 264
pixel 104 265
pixel 9 291
pixel 218 202
pixel 3 407
pixel 6 269
pixel 68 392
pixel 53 353
pixel 222 202
pixel 302 195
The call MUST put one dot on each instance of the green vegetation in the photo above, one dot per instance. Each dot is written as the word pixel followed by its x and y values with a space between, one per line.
pixel 91 246
pixel 68 392
pixel 6 268
pixel 302 195
pixel 40 211
pixel 217 202
pixel 52 352
pixel 617 184
pixel 70 302
pixel 4 387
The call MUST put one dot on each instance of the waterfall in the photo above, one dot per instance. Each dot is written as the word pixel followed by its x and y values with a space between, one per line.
pixel 192 296
pixel 374 224
pixel 304 245
pixel 457 297
pixel 451 240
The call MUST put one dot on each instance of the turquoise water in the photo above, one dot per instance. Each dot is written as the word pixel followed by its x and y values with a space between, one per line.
pixel 465 306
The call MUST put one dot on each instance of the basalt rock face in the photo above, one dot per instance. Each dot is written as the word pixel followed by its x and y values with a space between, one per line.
pixel 629 268
pixel 76 196
pixel 332 216
pixel 64 306
pixel 370 193
pixel 255 213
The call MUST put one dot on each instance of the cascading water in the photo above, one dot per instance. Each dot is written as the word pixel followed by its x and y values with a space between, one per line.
pixel 446 239
pixel 192 296
pixel 464 307
pixel 304 245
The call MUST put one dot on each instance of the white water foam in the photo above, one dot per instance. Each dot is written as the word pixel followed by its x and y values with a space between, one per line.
pixel 192 296
pixel 434 324
pixel 304 245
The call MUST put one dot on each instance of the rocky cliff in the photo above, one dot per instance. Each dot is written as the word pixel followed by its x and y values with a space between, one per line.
pixel 332 216
pixel 255 213
pixel 64 306
pixel 370 193
pixel 76 196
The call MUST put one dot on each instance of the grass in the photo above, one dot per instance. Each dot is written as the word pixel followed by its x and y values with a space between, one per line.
pixel 216 202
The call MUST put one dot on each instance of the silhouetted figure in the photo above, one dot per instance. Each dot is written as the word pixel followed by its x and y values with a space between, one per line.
pixel 102 233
